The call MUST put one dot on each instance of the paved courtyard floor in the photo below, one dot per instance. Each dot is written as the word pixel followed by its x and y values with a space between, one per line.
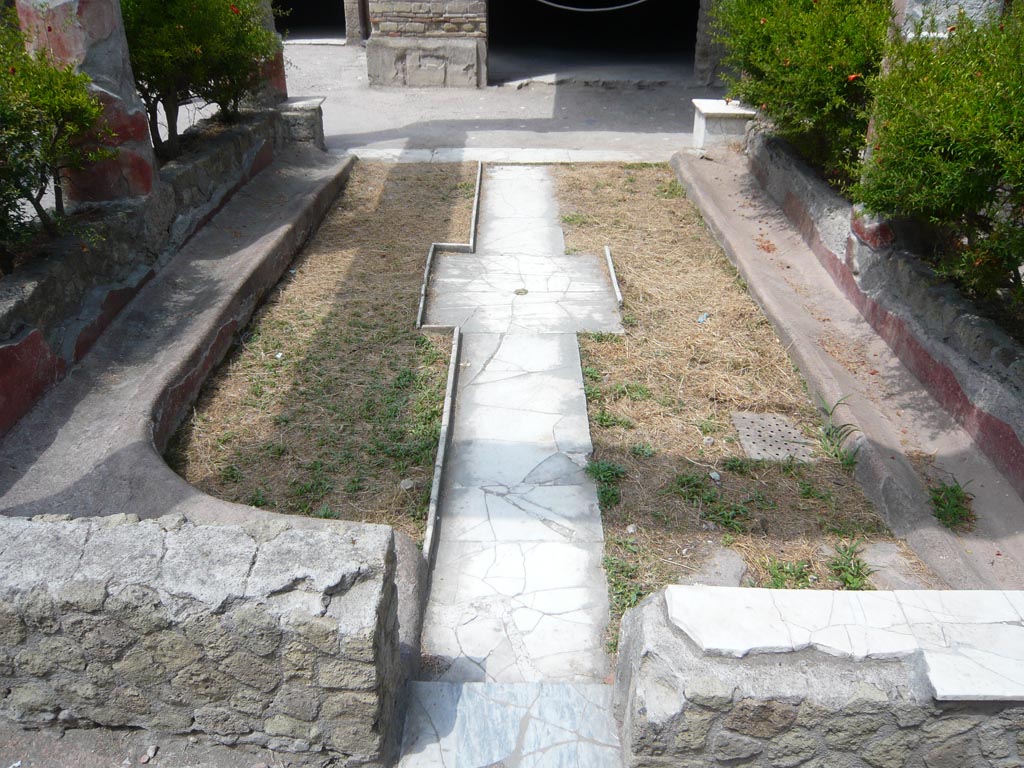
pixel 576 113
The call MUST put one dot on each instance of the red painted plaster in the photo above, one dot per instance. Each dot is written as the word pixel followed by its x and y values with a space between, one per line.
pixel 994 437
pixel 27 368
pixel 110 307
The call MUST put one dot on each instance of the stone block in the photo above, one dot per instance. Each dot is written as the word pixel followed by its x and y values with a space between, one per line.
pixel 716 121
pixel 762 719
pixel 427 62
pixel 730 747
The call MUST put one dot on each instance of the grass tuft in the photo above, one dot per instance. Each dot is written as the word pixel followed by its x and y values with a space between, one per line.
pixel 951 505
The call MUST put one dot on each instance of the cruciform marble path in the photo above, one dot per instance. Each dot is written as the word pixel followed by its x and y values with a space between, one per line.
pixel 518 606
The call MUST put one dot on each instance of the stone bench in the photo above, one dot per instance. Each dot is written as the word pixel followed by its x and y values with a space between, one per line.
pixel 715 676
pixel 716 121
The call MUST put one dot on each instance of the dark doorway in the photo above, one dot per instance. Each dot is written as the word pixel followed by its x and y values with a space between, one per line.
pixel 649 26
pixel 310 18
pixel 531 37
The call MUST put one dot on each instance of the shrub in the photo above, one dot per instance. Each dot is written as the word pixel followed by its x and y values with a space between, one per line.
pixel 46 112
pixel 237 48
pixel 805 64
pixel 213 49
pixel 948 148
pixel 164 56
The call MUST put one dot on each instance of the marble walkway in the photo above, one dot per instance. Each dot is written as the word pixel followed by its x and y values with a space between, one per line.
pixel 514 631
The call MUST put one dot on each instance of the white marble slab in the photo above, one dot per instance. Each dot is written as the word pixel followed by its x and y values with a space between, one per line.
pixel 487 725
pixel 971 642
pixel 522 513
pixel 518 592
pixel 517 611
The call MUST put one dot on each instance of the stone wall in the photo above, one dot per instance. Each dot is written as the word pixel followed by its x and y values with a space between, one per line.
pixel 683 707
pixel 429 18
pixel 271 633
pixel 53 309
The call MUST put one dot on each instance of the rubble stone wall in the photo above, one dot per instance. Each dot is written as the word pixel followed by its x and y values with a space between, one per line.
pixel 429 18
pixel 273 634
pixel 682 708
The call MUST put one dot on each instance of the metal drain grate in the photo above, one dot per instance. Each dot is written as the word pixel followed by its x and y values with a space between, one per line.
pixel 770 436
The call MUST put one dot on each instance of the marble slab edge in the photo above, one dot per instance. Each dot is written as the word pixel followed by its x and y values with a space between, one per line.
pixel 971 642
pixel 612 274
pixel 432 534
pixel 435 248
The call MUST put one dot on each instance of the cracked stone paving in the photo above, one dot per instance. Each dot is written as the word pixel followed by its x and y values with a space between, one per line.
pixel 513 638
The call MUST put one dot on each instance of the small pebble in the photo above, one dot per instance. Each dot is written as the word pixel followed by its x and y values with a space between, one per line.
pixel 715 476
pixel 709 441
pixel 408 484
pixel 279 356
pixel 630 529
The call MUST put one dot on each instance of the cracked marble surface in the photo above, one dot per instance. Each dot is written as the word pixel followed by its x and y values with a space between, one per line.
pixel 518 592
pixel 971 642
pixel 520 279
pixel 518 726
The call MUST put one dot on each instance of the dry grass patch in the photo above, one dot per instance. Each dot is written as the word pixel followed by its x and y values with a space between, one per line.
pixel 332 398
pixel 696 349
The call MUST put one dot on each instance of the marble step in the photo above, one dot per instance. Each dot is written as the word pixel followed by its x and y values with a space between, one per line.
pixel 512 725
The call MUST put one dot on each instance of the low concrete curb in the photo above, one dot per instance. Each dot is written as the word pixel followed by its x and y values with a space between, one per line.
pixel 432 535
pixel 884 472
pixel 92 448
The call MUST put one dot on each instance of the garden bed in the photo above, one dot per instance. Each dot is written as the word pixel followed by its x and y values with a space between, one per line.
pixel 331 404
pixel 696 349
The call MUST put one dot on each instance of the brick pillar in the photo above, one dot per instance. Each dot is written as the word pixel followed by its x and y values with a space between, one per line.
pixel 89 34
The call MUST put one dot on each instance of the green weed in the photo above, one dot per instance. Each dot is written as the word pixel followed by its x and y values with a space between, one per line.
pixel 951 505
pixel 642 450
pixel 577 219
pixel 604 419
pixel 632 390
pixel 832 437
pixel 606 471
pixel 809 490
pixel 729 515
pixel 693 487
pixel 787 574
pixel 736 464
pixel 669 190
pixel 848 568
